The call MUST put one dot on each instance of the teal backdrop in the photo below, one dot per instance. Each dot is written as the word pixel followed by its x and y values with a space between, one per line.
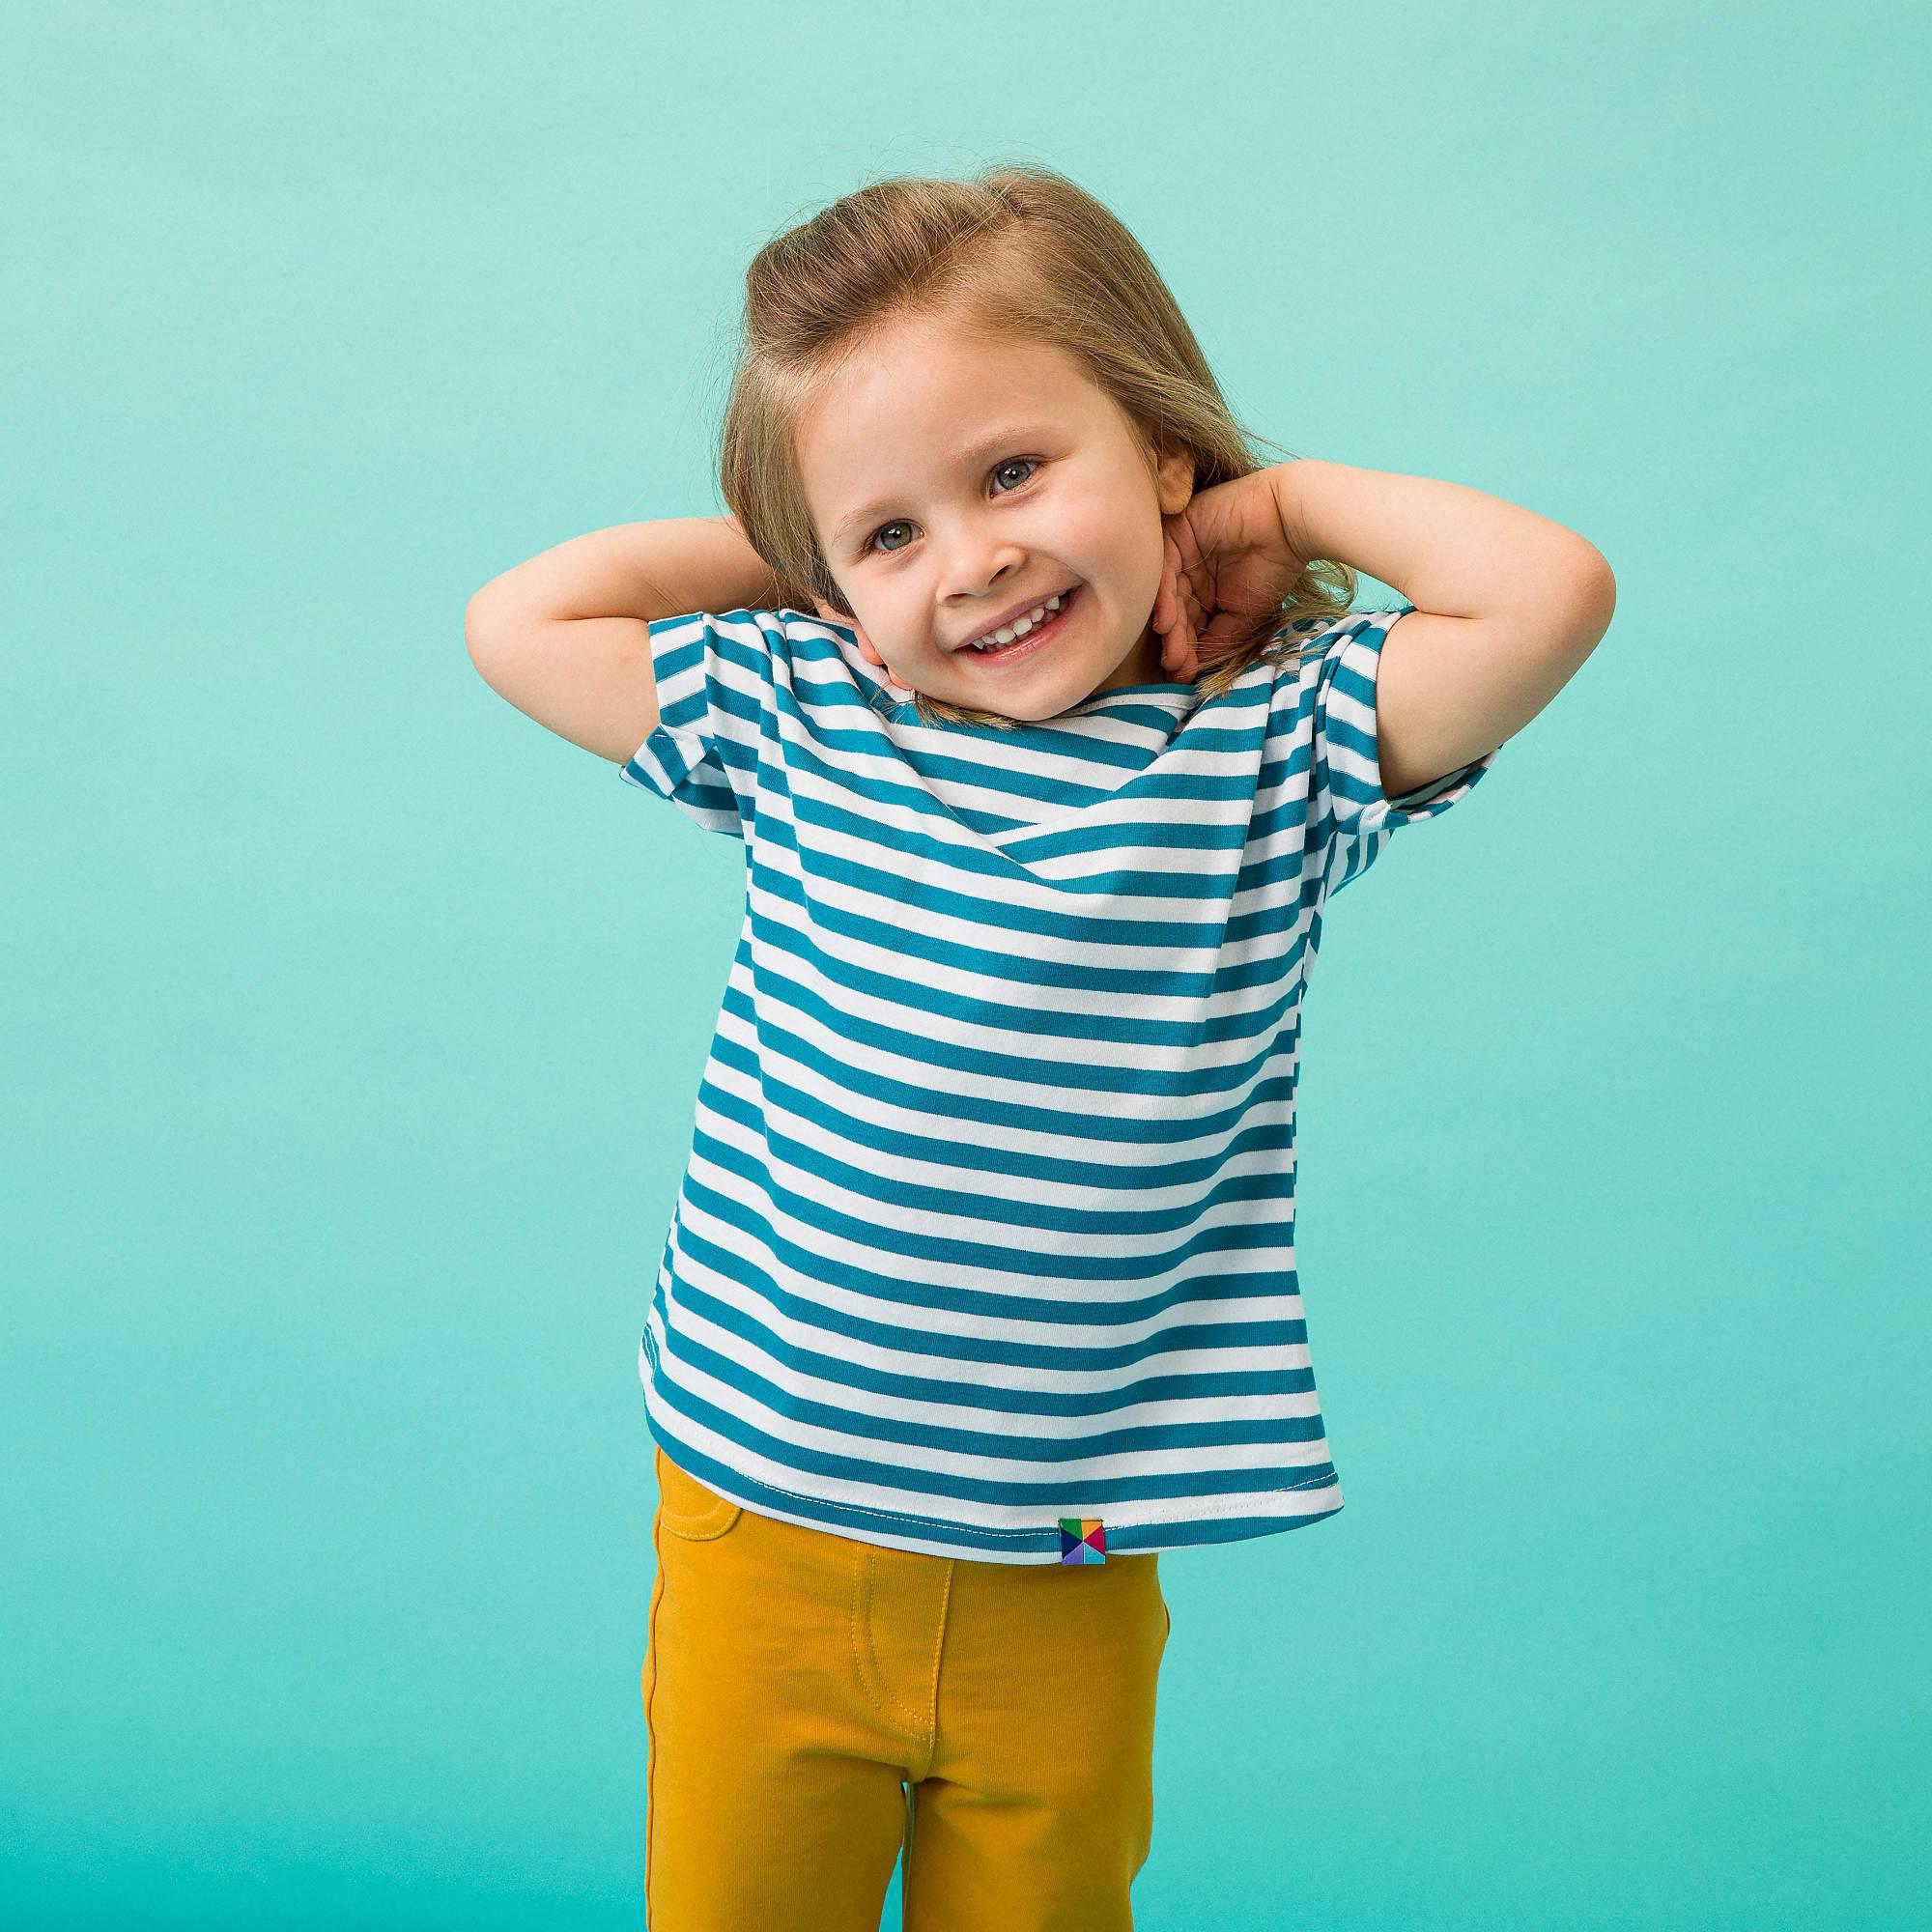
pixel 353 1022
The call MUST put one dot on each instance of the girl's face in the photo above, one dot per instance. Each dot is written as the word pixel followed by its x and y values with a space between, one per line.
pixel 952 481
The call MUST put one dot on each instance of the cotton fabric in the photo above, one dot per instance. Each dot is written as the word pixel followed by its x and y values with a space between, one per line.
pixel 988 1218
pixel 820 1707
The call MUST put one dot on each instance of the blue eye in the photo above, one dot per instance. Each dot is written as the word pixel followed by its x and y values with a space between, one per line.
pixel 1029 462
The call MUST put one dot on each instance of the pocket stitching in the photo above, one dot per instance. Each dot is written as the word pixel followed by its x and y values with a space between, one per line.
pixel 697 1525
pixel 700 1528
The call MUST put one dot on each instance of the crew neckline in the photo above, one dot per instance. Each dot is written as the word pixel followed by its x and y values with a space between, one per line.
pixel 1163 688
pixel 1169 693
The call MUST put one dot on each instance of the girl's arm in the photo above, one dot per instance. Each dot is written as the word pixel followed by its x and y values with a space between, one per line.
pixel 1508 604
pixel 564 638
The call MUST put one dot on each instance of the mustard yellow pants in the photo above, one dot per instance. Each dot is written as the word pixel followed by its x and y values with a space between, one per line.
pixel 817 1706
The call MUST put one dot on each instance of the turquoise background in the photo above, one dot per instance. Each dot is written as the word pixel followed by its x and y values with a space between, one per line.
pixel 353 1023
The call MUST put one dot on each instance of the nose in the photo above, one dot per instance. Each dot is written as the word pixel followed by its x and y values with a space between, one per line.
pixel 977 565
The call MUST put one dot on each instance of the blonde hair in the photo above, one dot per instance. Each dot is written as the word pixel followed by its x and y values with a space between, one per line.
pixel 1017 251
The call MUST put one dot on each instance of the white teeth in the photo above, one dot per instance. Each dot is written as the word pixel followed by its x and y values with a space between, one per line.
pixel 1010 633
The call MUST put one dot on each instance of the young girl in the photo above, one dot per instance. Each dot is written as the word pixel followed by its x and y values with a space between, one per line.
pixel 1049 732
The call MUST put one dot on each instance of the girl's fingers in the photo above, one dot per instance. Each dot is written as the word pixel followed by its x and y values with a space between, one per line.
pixel 1174 624
pixel 1174 618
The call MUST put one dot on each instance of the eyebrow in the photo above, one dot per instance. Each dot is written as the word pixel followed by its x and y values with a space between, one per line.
pixel 974 453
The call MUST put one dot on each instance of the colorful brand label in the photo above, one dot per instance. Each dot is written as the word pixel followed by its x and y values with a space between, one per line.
pixel 1083 1539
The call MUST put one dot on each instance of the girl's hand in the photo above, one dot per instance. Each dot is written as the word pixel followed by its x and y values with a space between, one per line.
pixel 1229 563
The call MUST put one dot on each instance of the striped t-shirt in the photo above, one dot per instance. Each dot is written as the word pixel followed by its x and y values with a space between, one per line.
pixel 987 1231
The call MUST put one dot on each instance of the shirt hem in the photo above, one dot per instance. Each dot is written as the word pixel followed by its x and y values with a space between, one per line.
pixel 1319 1495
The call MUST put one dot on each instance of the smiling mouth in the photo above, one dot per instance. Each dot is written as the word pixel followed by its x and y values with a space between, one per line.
pixel 1022 648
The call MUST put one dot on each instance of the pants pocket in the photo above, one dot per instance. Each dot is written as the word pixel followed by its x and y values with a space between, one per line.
pixel 686 1508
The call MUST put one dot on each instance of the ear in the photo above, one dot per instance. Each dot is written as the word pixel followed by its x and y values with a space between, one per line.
pixel 867 650
pixel 1174 482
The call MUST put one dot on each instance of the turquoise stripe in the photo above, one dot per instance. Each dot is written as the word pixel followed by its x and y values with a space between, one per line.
pixel 1062 968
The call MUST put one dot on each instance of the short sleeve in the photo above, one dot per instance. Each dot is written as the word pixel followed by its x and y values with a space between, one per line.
pixel 714 677
pixel 1348 811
